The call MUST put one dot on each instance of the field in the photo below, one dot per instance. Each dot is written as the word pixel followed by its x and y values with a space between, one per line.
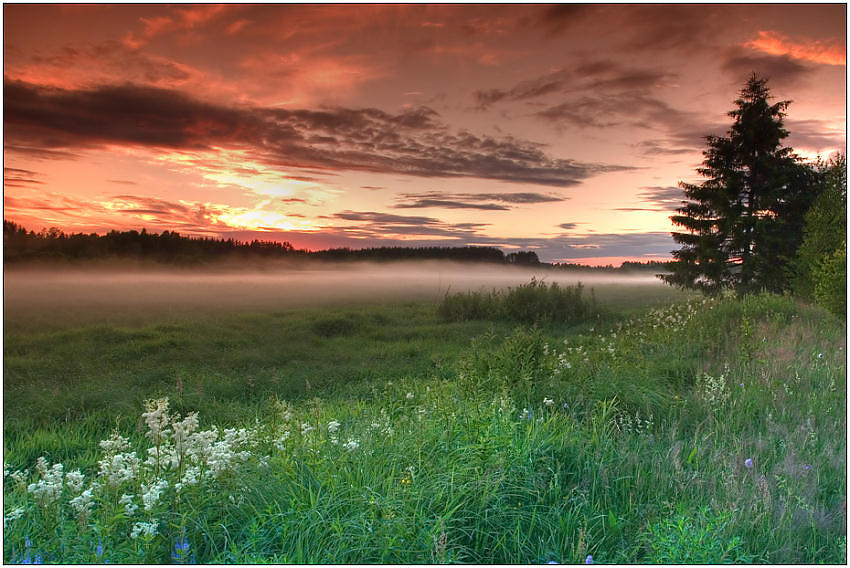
pixel 250 423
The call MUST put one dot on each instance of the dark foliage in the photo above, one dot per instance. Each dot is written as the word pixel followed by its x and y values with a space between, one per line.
pixel 744 223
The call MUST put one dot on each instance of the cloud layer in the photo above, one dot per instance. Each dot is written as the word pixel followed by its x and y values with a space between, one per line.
pixel 413 142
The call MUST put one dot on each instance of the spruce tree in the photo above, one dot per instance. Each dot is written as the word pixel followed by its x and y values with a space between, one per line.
pixel 743 223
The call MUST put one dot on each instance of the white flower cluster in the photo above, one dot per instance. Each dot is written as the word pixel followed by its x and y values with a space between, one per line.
pixel 180 456
pixel 333 430
pixel 13 515
pixel 129 507
pixel 713 390
pixel 49 487
pixel 144 529
pixel 383 424
pixel 150 494
pixel 625 422
pixel 84 502
pixel 117 465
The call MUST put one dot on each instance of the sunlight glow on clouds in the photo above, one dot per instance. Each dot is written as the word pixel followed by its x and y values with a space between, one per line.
pixel 775 43
pixel 563 129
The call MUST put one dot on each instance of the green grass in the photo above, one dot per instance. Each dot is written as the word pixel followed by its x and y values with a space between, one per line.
pixel 626 437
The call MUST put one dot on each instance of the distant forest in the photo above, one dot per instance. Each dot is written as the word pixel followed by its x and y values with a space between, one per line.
pixel 170 248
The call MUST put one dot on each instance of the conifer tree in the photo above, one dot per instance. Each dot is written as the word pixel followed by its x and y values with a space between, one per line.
pixel 743 224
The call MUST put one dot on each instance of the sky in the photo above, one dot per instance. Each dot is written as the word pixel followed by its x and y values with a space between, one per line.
pixel 563 129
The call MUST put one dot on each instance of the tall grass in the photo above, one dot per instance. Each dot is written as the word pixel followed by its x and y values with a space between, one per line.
pixel 534 302
pixel 709 431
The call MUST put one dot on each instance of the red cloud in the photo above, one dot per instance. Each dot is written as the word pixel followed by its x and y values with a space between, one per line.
pixel 775 43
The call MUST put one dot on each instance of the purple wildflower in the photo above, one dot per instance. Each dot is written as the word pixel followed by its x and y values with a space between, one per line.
pixel 748 463
pixel 589 559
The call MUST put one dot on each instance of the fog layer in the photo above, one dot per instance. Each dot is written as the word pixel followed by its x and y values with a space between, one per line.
pixel 75 292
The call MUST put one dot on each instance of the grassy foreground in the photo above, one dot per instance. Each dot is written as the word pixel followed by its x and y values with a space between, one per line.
pixel 708 431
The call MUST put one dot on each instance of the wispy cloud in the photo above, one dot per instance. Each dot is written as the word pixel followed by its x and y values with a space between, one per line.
pixel 16 177
pixel 658 199
pixel 482 201
pixel 414 142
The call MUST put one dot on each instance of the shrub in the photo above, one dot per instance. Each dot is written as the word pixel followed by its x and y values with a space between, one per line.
pixel 831 282
pixel 534 302
pixel 695 539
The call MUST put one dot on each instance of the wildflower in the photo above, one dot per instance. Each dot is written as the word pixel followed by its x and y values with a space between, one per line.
pixel 410 396
pixel 13 515
pixel 748 463
pixel 566 406
pixel 279 443
pixel 351 444
pixel 305 428
pixel 129 506
pixel 820 355
pixel 808 467
pixel 20 477
pixel 150 495
pixel 182 432
pixel 548 401
pixel 83 503
pixel 118 467
pixel 49 487
pixel 333 426
pixel 157 419
pixel 143 529
pixel 589 559
pixel 74 480
pixel 181 549
pixel 99 550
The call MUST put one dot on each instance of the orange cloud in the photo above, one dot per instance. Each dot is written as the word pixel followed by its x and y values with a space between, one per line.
pixel 775 43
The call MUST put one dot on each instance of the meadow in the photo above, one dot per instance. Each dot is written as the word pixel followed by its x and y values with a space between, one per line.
pixel 636 424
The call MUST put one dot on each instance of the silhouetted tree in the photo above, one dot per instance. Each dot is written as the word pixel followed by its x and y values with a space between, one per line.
pixel 523 257
pixel 743 224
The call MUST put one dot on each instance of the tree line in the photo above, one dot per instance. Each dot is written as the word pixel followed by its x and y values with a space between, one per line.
pixel 170 247
pixel 762 220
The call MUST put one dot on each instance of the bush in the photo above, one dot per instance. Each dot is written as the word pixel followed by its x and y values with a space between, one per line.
pixel 831 282
pixel 695 539
pixel 530 303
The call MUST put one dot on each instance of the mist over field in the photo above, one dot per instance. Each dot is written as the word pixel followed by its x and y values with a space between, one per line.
pixel 84 293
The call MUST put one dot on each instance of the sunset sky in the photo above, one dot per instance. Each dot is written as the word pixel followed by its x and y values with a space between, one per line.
pixel 563 129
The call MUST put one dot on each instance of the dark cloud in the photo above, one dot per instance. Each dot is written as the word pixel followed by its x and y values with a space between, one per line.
pixel 15 177
pixel 602 77
pixel 413 142
pixel 740 63
pixel 556 19
pixel 568 226
pixel 447 204
pixel 662 147
pixel 122 181
pixel 150 205
pixel 378 225
pixel 670 27
pixel 472 200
